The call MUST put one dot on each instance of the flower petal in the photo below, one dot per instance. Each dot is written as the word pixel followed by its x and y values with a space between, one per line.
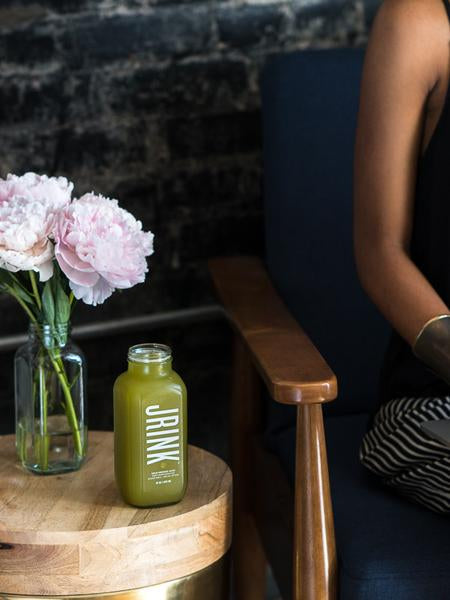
pixel 93 295
pixel 71 259
pixel 45 270
pixel 83 278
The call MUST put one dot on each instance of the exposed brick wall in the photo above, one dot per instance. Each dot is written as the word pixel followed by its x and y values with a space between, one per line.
pixel 155 103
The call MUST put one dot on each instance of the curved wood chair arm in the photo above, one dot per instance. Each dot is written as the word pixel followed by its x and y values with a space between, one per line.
pixel 292 368
pixel 269 340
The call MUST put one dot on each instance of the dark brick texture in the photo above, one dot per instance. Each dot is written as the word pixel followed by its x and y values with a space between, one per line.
pixel 156 103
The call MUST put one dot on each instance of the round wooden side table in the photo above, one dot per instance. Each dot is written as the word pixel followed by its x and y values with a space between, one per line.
pixel 72 535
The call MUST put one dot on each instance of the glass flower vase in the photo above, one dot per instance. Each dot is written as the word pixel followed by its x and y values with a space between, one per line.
pixel 50 399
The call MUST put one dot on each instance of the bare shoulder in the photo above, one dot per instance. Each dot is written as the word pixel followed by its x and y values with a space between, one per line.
pixel 420 14
pixel 412 33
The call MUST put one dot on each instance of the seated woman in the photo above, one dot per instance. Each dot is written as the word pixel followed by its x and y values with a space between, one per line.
pixel 402 239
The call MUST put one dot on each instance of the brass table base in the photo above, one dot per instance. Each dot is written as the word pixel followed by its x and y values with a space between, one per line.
pixel 211 583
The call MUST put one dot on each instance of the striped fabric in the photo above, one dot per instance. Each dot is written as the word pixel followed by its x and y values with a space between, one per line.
pixel 405 457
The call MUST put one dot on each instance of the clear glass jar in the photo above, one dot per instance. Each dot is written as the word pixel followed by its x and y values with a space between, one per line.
pixel 50 399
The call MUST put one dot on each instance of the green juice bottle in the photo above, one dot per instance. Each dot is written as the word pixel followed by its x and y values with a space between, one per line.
pixel 150 428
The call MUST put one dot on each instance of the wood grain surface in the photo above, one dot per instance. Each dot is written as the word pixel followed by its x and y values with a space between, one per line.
pixel 315 559
pixel 73 534
pixel 292 368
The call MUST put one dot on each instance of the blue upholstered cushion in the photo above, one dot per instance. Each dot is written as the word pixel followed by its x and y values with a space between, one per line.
pixel 388 547
pixel 310 102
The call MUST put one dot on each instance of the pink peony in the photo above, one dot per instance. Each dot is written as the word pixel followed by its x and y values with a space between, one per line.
pixel 100 247
pixel 28 208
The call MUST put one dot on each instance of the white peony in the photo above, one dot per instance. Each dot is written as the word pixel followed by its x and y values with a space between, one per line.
pixel 29 206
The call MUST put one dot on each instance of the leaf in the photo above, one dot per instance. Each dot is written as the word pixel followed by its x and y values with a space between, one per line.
pixel 21 293
pixel 62 314
pixel 54 281
pixel 48 304
pixel 5 277
pixel 10 284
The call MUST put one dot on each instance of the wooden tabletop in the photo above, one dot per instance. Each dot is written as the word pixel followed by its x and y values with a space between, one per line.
pixel 73 534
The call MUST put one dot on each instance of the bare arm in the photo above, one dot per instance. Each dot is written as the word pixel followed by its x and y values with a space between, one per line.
pixel 403 65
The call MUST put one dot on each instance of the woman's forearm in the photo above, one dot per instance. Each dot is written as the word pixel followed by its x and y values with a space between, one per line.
pixel 398 288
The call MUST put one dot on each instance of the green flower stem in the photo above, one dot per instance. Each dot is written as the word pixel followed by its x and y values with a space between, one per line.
pixel 23 305
pixel 35 289
pixel 70 410
pixel 62 376
pixel 19 283
pixel 21 444
pixel 43 450
pixel 36 386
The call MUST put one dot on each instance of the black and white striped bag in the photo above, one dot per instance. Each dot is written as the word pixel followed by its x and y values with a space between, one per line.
pixel 405 457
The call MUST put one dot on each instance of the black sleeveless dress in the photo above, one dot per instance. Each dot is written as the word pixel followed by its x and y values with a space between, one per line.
pixel 410 392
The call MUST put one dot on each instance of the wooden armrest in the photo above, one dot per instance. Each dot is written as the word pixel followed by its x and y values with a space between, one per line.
pixel 291 366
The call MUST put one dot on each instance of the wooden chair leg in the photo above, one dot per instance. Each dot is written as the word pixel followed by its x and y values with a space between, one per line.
pixel 315 564
pixel 249 562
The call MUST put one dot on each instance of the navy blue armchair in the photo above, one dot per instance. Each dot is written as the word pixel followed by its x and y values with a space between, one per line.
pixel 303 323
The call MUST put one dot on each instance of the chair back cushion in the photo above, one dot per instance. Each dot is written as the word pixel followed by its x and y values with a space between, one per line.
pixel 310 103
